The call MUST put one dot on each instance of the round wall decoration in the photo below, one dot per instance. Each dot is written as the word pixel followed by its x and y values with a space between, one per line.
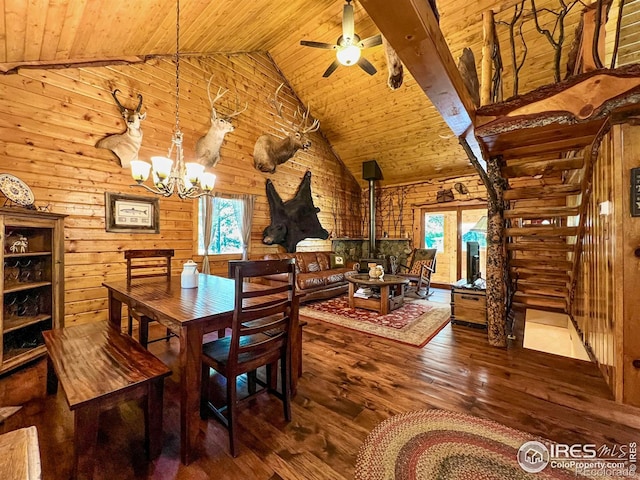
pixel 16 190
pixel 461 188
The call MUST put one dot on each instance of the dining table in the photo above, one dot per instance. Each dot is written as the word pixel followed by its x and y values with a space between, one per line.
pixel 190 313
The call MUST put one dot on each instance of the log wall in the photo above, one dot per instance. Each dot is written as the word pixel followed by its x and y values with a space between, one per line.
pixel 400 210
pixel 51 120
pixel 606 304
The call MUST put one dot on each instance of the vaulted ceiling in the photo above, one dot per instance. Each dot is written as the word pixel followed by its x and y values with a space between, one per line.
pixel 360 116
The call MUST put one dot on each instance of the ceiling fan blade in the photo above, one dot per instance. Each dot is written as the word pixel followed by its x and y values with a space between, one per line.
pixel 308 43
pixel 371 42
pixel 347 23
pixel 366 65
pixel 331 69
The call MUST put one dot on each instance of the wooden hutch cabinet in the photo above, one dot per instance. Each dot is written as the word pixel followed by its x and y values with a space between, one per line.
pixel 32 283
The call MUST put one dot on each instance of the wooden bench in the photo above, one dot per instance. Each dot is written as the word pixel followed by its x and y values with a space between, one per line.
pixel 20 455
pixel 98 368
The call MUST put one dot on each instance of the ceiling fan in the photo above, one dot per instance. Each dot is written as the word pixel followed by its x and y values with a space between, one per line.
pixel 348 47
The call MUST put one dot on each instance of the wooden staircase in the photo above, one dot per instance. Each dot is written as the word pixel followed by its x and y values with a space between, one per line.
pixel 541 226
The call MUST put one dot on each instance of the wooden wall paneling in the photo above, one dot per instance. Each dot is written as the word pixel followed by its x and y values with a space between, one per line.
pixel 422 194
pixel 52 119
pixel 628 336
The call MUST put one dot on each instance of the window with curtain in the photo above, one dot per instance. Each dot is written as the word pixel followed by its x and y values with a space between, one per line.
pixel 226 226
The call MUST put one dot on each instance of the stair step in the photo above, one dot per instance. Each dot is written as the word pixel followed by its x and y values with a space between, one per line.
pixel 541 264
pixel 539 257
pixel 528 272
pixel 548 191
pixel 544 212
pixel 540 290
pixel 539 301
pixel 541 231
pixel 542 279
pixel 539 246
pixel 542 167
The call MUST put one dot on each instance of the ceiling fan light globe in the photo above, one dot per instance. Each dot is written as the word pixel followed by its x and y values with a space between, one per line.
pixel 348 55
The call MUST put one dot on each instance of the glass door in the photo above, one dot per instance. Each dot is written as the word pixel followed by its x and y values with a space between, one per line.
pixel 449 231
pixel 440 232
pixel 474 229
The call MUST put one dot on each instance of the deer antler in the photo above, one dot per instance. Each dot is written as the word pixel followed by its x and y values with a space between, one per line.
pixel 237 110
pixel 274 101
pixel 114 94
pixel 219 95
pixel 315 125
pixel 139 103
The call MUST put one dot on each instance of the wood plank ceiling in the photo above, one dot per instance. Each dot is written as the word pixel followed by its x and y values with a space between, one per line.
pixel 360 116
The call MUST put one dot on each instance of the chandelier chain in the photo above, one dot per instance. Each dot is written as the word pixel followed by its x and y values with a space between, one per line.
pixel 188 180
pixel 177 65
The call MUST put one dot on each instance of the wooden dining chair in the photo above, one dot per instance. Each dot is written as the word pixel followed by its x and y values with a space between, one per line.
pixel 260 336
pixel 147 264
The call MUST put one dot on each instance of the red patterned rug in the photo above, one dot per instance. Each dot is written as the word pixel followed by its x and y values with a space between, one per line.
pixel 437 444
pixel 414 323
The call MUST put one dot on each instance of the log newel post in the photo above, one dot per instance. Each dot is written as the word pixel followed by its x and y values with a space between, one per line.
pixel 496 259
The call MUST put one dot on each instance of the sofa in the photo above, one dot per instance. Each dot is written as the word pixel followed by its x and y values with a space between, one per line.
pixel 318 274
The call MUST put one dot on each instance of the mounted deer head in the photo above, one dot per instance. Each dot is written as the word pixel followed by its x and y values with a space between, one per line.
pixel 269 151
pixel 126 145
pixel 208 146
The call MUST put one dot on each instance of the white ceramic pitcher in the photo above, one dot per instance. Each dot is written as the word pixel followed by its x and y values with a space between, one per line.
pixel 189 276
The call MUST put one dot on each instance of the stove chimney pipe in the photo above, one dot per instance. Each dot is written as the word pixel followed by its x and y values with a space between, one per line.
pixel 371 172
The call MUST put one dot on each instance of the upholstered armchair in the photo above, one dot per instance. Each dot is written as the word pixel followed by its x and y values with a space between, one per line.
pixel 422 263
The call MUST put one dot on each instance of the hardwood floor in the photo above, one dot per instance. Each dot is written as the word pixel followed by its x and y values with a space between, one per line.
pixel 351 382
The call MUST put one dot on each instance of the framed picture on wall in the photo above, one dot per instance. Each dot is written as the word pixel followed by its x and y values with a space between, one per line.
pixel 131 214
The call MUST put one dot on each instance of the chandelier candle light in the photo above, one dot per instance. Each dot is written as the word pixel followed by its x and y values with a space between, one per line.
pixel 188 180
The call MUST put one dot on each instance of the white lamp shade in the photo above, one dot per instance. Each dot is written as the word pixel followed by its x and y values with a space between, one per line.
pixel 194 171
pixel 140 170
pixel 348 55
pixel 162 166
pixel 207 181
pixel 187 184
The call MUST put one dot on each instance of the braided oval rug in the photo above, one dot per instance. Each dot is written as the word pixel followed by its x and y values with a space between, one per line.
pixel 442 445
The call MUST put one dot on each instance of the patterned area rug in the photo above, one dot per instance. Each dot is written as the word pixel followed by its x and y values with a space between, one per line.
pixel 437 444
pixel 415 323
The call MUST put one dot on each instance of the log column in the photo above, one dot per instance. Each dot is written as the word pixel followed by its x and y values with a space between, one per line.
pixel 496 260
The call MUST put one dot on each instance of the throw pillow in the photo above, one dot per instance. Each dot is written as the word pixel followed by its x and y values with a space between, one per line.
pixel 337 261
pixel 417 266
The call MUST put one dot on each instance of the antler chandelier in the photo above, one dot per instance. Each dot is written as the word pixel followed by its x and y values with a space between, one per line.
pixel 188 180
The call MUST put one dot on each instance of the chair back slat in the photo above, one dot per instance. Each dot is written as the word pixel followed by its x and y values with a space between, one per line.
pixel 262 316
pixel 148 263
pixel 256 312
pixel 267 291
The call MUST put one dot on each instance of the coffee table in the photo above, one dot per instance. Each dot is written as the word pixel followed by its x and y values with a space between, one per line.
pixel 391 292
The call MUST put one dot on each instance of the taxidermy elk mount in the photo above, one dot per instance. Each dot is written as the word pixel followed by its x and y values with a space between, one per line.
pixel 126 145
pixel 208 146
pixel 269 151
pixel 293 220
